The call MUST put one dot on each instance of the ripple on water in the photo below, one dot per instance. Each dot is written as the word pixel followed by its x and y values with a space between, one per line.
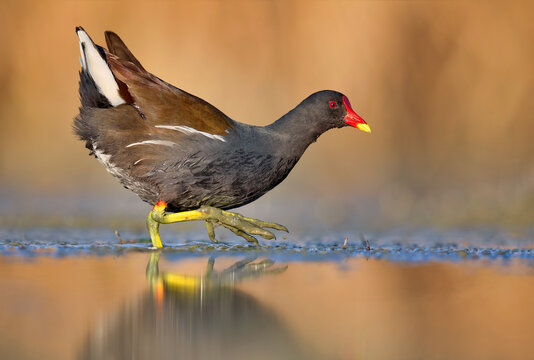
pixel 401 246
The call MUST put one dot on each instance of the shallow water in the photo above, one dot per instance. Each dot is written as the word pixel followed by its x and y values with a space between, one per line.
pixel 71 293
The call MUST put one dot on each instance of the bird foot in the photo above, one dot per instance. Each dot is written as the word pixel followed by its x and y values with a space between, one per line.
pixel 237 223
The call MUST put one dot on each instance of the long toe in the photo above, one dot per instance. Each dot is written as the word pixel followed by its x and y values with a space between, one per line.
pixel 246 226
pixel 256 230
pixel 264 224
pixel 211 231
pixel 243 234
pixel 261 223
pixel 276 227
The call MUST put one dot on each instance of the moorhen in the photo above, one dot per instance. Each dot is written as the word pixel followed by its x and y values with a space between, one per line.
pixel 180 153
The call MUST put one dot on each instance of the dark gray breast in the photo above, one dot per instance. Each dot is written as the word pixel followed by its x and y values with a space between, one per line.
pixel 224 174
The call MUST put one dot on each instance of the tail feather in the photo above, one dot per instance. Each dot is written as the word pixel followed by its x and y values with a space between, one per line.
pixel 96 75
pixel 89 94
pixel 117 47
pixel 101 91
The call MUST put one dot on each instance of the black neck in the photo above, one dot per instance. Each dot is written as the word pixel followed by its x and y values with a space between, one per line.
pixel 300 127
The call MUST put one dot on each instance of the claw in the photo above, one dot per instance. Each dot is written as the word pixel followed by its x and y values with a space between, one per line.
pixel 279 227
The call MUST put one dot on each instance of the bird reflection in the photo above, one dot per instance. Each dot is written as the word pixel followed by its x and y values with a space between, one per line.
pixel 195 317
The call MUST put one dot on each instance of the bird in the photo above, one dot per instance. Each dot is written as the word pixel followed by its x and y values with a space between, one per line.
pixel 181 154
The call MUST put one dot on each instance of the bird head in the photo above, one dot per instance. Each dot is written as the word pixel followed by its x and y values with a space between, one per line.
pixel 334 109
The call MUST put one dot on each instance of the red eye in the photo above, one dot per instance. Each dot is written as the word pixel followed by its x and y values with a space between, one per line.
pixel 332 104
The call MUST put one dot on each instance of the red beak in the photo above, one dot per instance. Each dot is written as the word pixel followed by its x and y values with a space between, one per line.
pixel 354 119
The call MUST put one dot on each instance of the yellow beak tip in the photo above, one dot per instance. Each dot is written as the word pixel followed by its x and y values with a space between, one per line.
pixel 364 127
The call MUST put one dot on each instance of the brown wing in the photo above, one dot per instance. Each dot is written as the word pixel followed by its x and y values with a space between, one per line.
pixel 159 102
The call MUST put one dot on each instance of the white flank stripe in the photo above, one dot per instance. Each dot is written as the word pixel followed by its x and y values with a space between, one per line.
pixel 98 69
pixel 153 142
pixel 189 131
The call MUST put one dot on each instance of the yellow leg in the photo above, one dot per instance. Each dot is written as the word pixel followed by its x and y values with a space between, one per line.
pixel 238 224
pixel 157 216
pixel 153 230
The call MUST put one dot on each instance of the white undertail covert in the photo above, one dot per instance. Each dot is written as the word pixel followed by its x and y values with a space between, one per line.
pixel 98 69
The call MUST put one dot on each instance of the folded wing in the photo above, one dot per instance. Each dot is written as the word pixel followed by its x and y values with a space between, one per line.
pixel 134 122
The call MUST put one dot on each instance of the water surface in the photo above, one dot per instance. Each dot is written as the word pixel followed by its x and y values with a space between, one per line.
pixel 67 293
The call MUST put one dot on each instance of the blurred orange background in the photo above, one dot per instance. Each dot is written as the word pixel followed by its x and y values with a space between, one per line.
pixel 445 86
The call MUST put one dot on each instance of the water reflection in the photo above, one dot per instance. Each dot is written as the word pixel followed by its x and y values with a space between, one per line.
pixel 195 317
